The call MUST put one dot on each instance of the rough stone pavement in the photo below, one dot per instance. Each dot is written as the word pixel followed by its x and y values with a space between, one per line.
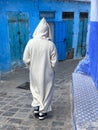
pixel 15 104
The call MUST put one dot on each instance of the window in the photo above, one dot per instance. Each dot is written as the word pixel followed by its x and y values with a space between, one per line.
pixel 46 14
pixel 83 15
pixel 68 15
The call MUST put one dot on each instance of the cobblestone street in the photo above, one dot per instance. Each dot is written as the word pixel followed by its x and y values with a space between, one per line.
pixel 15 104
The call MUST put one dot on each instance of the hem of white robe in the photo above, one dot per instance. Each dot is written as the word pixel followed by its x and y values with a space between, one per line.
pixel 42 109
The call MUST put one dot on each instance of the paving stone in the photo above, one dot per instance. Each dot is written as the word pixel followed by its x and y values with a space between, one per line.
pixel 13 109
pixel 2 119
pixel 11 127
pixel 14 103
pixel 24 110
pixel 28 122
pixel 1 112
pixel 41 128
pixel 56 123
pixel 1 98
pixel 3 126
pixel 8 99
pixel 56 129
pixel 2 103
pixel 8 113
pixel 27 106
pixel 21 115
pixel 15 121
pixel 7 107
pixel 19 105
pixel 3 94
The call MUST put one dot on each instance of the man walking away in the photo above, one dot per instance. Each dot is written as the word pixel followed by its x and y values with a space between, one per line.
pixel 41 56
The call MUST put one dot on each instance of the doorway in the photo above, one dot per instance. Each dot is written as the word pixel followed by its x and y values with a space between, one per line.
pixel 18 31
pixel 68 17
pixel 83 25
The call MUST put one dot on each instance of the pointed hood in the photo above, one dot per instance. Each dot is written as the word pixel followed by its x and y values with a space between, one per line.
pixel 42 30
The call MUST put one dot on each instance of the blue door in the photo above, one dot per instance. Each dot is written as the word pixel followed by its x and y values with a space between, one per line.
pixel 18 35
pixel 81 49
pixel 60 39
pixel 83 25
pixel 69 38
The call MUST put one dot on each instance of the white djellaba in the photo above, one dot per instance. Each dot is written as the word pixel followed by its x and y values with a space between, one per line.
pixel 40 55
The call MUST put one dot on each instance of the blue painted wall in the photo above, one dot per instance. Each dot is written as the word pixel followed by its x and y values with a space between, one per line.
pixel 4 47
pixel 93 51
pixel 32 7
pixel 27 6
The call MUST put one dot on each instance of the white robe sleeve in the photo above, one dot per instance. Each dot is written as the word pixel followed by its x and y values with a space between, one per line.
pixel 53 56
pixel 26 55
